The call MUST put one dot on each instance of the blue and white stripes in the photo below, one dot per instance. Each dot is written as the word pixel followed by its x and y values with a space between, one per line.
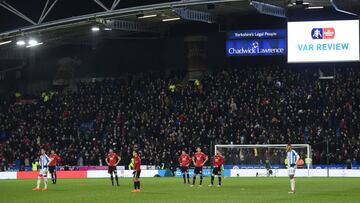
pixel 292 158
pixel 44 161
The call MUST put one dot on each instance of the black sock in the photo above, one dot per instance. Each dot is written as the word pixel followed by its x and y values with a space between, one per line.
pixel 52 177
pixel 188 178
pixel 201 177
pixel 184 177
pixel 112 179
pixel 135 185
pixel 55 177
pixel 117 179
pixel 194 179
pixel 219 180
pixel 212 180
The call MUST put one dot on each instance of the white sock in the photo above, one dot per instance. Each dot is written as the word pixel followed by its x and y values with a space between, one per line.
pixel 45 182
pixel 292 184
pixel 38 182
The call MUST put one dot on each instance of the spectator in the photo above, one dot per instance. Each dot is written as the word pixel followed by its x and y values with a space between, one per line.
pixel 261 105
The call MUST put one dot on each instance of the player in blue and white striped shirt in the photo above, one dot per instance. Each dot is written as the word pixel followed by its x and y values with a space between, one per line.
pixel 44 167
pixel 292 158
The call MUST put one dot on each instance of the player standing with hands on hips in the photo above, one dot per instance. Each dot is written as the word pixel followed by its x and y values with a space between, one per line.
pixel 44 168
pixel 292 158
pixel 185 161
pixel 112 160
pixel 199 159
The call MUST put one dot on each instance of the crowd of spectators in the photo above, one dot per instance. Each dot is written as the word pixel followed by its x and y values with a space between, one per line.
pixel 253 105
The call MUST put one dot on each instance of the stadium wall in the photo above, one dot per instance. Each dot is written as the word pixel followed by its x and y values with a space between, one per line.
pixel 161 173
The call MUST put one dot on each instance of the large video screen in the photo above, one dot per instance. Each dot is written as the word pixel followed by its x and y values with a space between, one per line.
pixel 323 41
pixel 256 42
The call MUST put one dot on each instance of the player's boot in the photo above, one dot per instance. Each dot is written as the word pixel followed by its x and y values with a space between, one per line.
pixel 210 185
pixel 36 189
pixel 138 190
pixel 218 185
pixel 191 185
pixel 44 189
pixel 134 190
pixel 200 185
pixel 291 192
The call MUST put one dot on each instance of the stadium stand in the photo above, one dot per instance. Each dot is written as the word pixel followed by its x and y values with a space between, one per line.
pixel 248 105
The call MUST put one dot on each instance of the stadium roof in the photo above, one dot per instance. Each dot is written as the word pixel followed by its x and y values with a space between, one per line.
pixel 72 21
pixel 100 10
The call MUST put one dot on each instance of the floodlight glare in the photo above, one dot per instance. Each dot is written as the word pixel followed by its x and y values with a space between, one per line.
pixel 32 42
pixel 147 16
pixel 34 45
pixel 170 19
pixel 5 42
pixel 315 7
pixel 20 43
pixel 95 29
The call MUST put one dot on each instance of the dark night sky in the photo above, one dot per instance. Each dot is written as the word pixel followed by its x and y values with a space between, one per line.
pixel 62 9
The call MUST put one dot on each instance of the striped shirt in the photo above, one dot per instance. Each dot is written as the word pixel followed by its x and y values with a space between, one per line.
pixel 292 158
pixel 44 161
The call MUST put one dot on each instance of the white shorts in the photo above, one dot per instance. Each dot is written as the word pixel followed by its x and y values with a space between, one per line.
pixel 291 171
pixel 43 172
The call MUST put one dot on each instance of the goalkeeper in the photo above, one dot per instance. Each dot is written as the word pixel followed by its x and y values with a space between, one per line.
pixel 268 167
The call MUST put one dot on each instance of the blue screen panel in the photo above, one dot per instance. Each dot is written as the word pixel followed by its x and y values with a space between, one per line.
pixel 259 47
pixel 257 34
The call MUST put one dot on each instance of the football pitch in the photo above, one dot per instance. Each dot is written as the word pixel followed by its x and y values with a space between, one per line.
pixel 171 190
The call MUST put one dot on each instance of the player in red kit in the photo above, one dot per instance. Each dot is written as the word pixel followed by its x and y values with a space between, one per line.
pixel 217 162
pixel 199 159
pixel 137 171
pixel 185 161
pixel 52 165
pixel 112 161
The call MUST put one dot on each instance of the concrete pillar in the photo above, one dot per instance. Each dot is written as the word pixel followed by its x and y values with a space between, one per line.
pixel 196 56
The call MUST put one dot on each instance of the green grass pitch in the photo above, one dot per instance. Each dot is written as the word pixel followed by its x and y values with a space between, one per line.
pixel 172 190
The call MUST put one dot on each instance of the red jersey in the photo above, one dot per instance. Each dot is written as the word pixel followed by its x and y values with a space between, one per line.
pixel 217 160
pixel 184 160
pixel 199 158
pixel 55 159
pixel 112 159
pixel 137 163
